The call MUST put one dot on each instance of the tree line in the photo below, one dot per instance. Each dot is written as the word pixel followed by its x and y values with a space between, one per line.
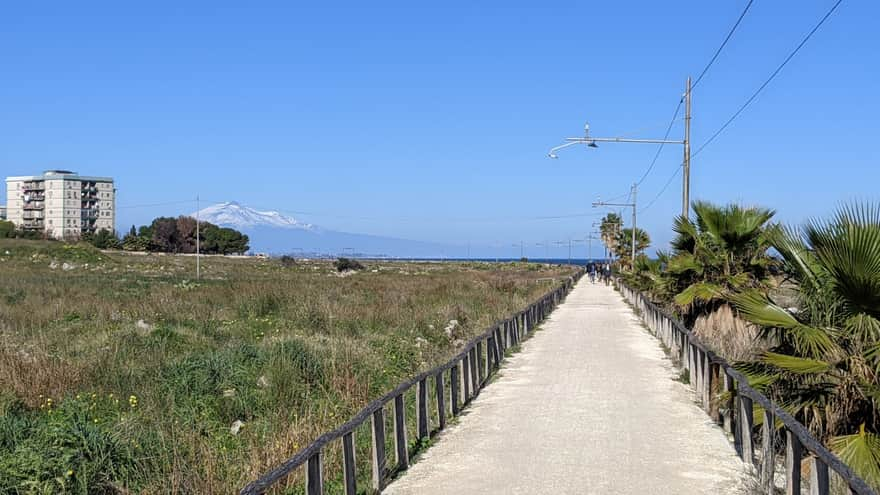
pixel 162 235
pixel 175 235
pixel 811 297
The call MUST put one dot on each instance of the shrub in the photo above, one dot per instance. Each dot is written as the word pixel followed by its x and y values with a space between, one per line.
pixel 345 264
pixel 287 261
pixel 7 229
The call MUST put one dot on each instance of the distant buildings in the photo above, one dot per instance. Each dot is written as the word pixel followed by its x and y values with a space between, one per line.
pixel 61 203
pixel 2 212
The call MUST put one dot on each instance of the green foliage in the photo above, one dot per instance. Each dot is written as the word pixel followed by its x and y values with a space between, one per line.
pixel 82 445
pixel 826 362
pixel 721 251
pixel 178 235
pixel 609 229
pixel 345 264
pixel 291 353
pixel 222 240
pixel 7 229
pixel 623 244
pixel 103 239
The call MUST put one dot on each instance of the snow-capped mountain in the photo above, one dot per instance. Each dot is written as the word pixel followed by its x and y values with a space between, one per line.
pixel 274 233
pixel 237 216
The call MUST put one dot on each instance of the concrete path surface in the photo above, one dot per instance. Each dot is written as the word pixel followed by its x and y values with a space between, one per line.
pixel 589 406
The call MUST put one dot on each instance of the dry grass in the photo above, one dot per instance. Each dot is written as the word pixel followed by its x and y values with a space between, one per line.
pixel 291 351
pixel 729 335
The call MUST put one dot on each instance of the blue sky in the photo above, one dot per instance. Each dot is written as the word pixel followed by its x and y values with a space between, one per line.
pixel 432 122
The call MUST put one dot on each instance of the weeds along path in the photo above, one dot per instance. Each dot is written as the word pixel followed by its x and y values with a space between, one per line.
pixel 591 405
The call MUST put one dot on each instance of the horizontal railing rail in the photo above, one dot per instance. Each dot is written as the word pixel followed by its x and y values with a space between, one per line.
pixel 468 373
pixel 714 379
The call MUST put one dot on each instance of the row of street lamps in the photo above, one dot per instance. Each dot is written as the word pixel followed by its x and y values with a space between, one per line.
pixel 591 141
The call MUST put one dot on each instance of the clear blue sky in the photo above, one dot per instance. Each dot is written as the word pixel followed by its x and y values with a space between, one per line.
pixel 432 122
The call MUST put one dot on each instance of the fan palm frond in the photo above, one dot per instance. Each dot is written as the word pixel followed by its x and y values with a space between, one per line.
pixel 795 364
pixel 700 291
pixel 758 309
pixel 861 452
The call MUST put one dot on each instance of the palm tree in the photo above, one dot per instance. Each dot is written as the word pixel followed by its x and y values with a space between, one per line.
pixel 608 230
pixel 825 368
pixel 723 250
pixel 623 244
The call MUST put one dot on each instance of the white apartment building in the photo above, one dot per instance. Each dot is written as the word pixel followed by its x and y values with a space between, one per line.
pixel 61 203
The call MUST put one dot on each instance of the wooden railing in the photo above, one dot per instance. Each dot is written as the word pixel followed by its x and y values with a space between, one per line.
pixel 467 373
pixel 713 379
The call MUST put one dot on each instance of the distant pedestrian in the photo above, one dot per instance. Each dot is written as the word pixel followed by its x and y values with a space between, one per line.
pixel 592 273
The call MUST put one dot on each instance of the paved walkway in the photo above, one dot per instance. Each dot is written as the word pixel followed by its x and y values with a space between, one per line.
pixel 588 407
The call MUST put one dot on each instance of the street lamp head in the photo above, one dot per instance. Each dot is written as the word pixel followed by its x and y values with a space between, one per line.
pixel 593 144
pixel 553 155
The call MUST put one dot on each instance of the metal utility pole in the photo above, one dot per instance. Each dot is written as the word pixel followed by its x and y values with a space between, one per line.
pixel 686 163
pixel 629 205
pixel 198 250
pixel 591 141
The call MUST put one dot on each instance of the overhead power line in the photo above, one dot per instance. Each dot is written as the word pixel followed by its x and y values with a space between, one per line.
pixel 699 78
pixel 660 148
pixel 663 190
pixel 769 79
pixel 723 44
pixel 751 98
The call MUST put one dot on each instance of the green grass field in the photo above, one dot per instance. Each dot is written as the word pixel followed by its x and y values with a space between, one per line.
pixel 119 373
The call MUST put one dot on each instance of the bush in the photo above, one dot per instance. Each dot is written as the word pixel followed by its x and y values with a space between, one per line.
pixel 7 229
pixel 287 261
pixel 345 264
pixel 103 239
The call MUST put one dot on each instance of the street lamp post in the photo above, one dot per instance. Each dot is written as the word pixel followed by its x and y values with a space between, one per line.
pixel 591 141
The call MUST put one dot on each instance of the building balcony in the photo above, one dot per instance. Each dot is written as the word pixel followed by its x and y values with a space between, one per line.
pixel 32 206
pixel 33 224
pixel 33 186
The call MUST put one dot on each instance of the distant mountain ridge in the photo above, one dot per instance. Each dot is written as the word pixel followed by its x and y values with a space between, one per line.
pixel 234 215
pixel 275 233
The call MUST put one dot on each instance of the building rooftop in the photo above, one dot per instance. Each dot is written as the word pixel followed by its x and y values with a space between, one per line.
pixel 59 174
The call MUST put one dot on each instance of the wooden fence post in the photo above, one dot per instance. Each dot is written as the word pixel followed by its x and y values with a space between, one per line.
pixel 441 400
pixel 768 456
pixel 793 454
pixel 707 383
pixel 454 383
pixel 400 452
pixel 465 380
pixel 747 422
pixel 314 475
pixel 349 467
pixel 819 478
pixel 729 416
pixel 475 366
pixel 422 409
pixel 378 422
pixel 483 360
pixel 690 361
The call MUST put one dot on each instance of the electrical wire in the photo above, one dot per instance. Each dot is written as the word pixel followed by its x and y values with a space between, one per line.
pixel 769 79
pixel 723 44
pixel 665 137
pixel 665 186
pixel 751 98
